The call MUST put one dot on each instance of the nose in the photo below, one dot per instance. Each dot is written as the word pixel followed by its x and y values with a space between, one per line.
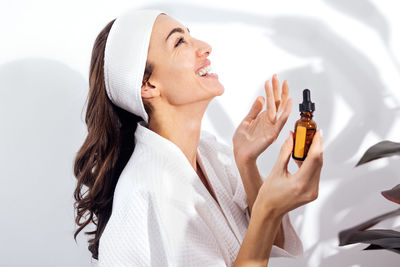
pixel 203 49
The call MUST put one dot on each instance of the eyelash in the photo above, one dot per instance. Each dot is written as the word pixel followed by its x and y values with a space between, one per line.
pixel 179 41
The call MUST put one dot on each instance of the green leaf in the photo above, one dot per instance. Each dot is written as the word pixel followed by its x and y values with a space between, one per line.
pixel 349 236
pixel 380 150
pixel 393 194
pixel 381 237
pixel 377 238
pixel 374 247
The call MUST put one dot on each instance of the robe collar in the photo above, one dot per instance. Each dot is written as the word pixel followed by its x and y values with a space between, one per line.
pixel 179 161
pixel 145 135
pixel 174 157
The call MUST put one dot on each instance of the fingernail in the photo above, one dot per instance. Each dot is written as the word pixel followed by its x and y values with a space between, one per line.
pixel 321 132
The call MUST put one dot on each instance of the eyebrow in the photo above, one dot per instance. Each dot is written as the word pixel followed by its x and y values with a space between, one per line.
pixel 176 30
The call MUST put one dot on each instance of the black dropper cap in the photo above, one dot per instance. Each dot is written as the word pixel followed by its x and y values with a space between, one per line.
pixel 307 105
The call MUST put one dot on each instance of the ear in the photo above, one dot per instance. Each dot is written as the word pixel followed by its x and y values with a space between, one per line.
pixel 149 91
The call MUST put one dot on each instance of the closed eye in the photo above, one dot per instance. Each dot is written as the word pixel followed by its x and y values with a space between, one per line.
pixel 181 40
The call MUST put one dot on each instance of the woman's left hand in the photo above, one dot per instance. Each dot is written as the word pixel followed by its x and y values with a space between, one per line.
pixel 258 131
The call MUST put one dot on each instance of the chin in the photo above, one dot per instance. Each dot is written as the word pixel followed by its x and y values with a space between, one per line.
pixel 221 90
pixel 216 90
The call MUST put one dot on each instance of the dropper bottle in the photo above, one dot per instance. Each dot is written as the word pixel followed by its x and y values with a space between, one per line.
pixel 304 128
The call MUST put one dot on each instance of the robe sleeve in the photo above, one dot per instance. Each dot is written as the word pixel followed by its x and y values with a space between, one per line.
pixel 132 235
pixel 136 236
pixel 293 246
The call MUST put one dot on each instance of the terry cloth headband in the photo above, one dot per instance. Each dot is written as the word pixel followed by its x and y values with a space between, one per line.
pixel 125 58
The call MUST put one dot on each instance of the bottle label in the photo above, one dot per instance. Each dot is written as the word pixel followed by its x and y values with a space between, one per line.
pixel 300 141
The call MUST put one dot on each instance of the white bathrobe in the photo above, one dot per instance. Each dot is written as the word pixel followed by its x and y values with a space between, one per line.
pixel 163 215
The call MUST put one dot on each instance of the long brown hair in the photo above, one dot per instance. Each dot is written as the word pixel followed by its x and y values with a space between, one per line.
pixel 106 149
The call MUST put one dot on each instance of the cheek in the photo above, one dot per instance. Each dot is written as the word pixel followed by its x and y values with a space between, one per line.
pixel 185 93
pixel 183 90
pixel 182 85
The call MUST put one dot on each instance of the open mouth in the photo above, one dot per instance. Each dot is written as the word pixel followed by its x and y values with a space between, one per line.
pixel 210 76
pixel 206 73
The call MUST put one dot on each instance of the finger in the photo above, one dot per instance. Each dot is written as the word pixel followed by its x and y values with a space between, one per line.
pixel 285 114
pixel 298 162
pixel 276 89
pixel 255 109
pixel 271 110
pixel 313 163
pixel 285 152
pixel 284 96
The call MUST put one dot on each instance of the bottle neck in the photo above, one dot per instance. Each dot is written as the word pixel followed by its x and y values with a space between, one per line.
pixel 307 114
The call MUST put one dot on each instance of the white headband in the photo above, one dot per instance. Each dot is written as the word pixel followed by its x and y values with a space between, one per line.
pixel 125 58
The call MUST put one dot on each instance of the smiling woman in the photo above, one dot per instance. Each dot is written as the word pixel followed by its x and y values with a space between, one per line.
pixel 161 191
pixel 176 88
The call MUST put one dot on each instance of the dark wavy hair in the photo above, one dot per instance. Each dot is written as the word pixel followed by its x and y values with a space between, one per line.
pixel 106 150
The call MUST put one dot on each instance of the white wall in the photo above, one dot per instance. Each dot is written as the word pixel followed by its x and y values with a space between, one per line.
pixel 344 51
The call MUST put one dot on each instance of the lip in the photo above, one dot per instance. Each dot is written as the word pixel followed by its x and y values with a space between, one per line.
pixel 206 63
pixel 210 76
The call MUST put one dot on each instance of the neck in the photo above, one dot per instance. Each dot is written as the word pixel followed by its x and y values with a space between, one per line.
pixel 181 128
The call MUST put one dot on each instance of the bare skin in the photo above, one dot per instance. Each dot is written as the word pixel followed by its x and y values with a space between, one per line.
pixel 203 179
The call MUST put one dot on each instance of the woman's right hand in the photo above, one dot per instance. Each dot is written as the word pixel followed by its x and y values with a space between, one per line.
pixel 282 191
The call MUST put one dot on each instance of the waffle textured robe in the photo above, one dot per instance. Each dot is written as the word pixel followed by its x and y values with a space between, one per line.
pixel 163 215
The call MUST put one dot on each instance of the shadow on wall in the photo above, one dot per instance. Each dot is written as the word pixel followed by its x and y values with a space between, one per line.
pixel 40 105
pixel 350 75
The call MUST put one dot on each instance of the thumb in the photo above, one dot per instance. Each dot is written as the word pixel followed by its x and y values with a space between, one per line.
pixel 255 109
pixel 285 152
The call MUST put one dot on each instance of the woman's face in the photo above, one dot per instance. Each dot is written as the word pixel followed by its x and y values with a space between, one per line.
pixel 177 58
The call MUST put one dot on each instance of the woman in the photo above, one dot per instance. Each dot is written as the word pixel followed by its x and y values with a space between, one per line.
pixel 161 191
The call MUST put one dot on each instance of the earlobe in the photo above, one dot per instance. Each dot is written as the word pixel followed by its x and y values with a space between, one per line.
pixel 149 91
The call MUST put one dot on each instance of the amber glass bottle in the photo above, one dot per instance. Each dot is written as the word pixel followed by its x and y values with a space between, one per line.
pixel 304 128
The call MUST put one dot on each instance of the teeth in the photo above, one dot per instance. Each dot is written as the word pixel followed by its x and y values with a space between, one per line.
pixel 204 71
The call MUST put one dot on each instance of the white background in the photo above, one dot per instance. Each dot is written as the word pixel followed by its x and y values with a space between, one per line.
pixel 346 52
